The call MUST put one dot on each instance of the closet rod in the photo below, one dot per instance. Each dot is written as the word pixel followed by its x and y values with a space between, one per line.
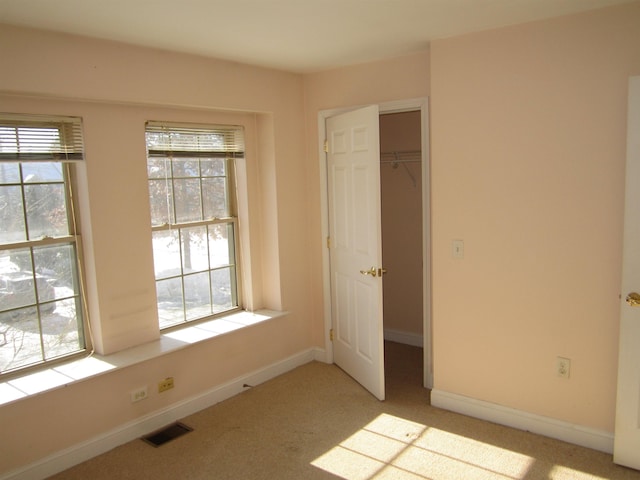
pixel 396 158
pixel 401 156
pixel 400 161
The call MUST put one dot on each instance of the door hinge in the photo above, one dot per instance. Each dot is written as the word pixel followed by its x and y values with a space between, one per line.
pixel 326 146
pixel 328 242
pixel 331 334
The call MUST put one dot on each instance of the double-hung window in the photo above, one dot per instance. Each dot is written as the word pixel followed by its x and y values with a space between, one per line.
pixel 193 216
pixel 41 307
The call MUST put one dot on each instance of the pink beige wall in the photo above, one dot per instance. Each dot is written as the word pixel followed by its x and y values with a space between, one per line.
pixel 528 149
pixel 116 88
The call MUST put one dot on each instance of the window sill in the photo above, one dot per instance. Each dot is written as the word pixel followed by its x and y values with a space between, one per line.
pixel 74 371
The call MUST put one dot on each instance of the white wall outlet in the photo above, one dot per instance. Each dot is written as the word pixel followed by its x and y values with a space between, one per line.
pixel 563 367
pixel 458 249
pixel 139 394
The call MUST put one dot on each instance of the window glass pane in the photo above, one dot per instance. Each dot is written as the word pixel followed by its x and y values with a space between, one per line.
pixel 184 167
pixel 56 264
pixel 195 251
pixel 214 193
pixel 166 253
pixel 22 339
pixel 60 328
pixel 12 226
pixel 213 167
pixel 42 172
pixel 17 289
pixel 161 201
pixel 170 306
pixel 9 173
pixel 187 200
pixel 222 291
pixel 197 294
pixel 16 260
pixel 220 244
pixel 46 291
pixel 46 212
pixel 158 167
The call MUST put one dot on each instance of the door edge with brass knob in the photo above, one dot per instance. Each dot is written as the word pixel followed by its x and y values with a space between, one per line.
pixel 374 272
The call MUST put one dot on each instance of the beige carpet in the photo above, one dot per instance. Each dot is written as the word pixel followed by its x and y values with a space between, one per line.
pixel 317 423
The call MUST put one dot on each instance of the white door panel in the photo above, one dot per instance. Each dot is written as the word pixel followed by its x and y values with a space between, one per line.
pixel 353 169
pixel 627 434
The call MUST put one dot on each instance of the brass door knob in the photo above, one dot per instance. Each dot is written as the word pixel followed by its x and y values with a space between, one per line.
pixel 371 271
pixel 633 299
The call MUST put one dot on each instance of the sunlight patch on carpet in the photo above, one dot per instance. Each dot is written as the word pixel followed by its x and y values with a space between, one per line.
pixel 560 472
pixel 392 447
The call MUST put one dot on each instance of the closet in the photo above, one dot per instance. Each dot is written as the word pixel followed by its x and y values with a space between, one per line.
pixel 402 247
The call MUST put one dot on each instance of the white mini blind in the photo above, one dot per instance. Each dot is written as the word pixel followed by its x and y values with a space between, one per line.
pixel 186 140
pixel 35 138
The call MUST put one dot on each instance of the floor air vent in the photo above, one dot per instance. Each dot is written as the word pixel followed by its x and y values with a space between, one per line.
pixel 167 434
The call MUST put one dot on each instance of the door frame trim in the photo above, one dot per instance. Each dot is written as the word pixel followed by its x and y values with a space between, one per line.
pixel 414 104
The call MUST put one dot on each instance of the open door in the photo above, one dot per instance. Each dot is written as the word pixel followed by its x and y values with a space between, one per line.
pixel 626 449
pixel 355 245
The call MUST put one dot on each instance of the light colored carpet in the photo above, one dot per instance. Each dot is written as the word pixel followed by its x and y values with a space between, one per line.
pixel 315 422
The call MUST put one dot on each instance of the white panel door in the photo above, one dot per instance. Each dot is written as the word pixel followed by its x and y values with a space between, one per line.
pixel 627 435
pixel 353 163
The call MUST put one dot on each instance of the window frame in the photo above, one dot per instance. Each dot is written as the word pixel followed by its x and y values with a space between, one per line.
pixel 66 152
pixel 231 220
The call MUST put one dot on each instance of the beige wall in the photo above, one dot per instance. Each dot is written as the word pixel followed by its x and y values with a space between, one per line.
pixel 401 194
pixel 528 149
pixel 116 88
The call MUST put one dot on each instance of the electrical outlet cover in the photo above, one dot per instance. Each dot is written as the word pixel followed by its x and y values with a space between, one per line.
pixel 166 384
pixel 563 367
pixel 139 394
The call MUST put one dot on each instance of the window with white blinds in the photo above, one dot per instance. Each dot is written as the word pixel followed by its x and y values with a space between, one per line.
pixel 34 138
pixel 186 140
pixel 41 306
pixel 194 222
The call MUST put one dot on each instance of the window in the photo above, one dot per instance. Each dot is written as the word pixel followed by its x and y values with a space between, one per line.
pixel 193 218
pixel 41 314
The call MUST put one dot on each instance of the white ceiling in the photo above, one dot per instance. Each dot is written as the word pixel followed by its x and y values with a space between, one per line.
pixel 294 35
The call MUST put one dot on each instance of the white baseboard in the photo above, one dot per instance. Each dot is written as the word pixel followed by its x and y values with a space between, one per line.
pixel 79 453
pixel 321 355
pixel 407 338
pixel 510 417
